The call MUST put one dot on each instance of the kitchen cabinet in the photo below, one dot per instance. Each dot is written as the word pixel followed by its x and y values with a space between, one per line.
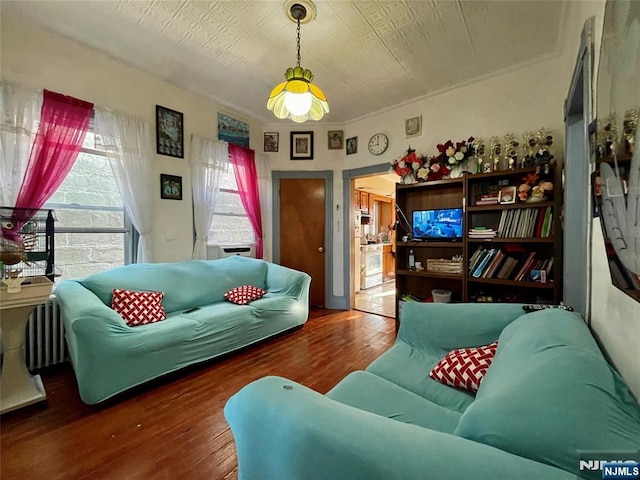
pixel 388 261
pixel 364 202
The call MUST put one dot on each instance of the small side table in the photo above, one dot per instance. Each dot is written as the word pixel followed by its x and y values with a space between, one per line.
pixel 18 388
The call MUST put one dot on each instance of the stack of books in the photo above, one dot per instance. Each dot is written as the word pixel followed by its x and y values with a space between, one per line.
pixel 488 199
pixel 482 232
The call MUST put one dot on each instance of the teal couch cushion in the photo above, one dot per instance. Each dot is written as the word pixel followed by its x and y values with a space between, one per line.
pixel 187 284
pixel 369 392
pixel 409 367
pixel 549 394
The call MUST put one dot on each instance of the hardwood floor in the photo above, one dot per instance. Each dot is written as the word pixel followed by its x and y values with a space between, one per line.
pixel 174 428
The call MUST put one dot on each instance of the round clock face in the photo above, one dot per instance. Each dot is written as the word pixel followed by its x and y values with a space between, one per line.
pixel 378 144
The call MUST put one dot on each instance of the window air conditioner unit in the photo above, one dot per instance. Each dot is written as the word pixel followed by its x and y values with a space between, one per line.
pixel 220 251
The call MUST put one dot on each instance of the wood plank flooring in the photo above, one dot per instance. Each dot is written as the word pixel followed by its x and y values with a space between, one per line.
pixel 174 428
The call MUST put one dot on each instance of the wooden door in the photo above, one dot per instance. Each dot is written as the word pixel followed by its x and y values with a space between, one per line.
pixel 302 226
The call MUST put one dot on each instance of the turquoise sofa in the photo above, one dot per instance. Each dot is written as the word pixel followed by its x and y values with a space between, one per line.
pixel 548 395
pixel 110 357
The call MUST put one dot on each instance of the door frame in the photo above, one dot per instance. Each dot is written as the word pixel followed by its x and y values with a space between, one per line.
pixel 327 175
pixel 578 111
pixel 347 198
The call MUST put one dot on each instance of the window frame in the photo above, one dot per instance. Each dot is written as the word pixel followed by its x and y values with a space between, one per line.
pixel 130 234
pixel 252 242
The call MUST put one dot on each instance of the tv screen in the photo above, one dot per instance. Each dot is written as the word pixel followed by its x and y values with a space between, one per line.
pixel 443 224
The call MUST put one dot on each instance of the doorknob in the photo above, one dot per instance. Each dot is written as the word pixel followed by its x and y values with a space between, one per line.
pixel 320 249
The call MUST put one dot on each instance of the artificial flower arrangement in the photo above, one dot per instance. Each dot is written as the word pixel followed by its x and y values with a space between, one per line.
pixel 434 169
pixel 529 192
pixel 456 153
pixel 408 166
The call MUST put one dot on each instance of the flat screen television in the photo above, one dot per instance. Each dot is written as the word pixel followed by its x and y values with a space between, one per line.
pixel 442 224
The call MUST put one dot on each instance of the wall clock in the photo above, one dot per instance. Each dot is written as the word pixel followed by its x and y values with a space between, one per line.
pixel 378 143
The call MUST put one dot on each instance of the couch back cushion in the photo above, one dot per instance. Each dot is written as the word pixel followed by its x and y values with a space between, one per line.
pixel 549 394
pixel 185 284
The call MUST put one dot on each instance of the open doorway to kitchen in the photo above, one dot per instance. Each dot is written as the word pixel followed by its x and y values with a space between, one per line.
pixel 373 248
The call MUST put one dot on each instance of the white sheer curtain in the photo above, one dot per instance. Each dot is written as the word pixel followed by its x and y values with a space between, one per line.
pixel 264 188
pixel 128 142
pixel 20 116
pixel 209 160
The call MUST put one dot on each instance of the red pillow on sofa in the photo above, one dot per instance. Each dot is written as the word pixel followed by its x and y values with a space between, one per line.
pixel 138 308
pixel 464 368
pixel 244 294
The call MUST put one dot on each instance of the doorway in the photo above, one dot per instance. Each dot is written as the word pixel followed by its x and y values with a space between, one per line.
pixel 301 237
pixel 373 248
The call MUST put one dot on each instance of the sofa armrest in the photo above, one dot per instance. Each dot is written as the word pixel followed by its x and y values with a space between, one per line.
pixel 455 325
pixel 284 430
pixel 287 281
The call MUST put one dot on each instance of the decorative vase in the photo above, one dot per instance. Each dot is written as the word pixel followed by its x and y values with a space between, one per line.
pixel 457 170
pixel 408 179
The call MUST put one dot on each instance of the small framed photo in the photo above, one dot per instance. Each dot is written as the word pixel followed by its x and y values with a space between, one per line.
pixel 301 145
pixel 352 145
pixel 271 141
pixel 170 187
pixel 413 126
pixel 335 139
pixel 507 195
pixel 169 132
pixel 487 167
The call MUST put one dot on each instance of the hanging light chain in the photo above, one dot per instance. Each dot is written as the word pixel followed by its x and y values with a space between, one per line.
pixel 298 41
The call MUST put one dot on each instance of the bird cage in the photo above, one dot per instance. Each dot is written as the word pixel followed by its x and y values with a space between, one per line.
pixel 26 243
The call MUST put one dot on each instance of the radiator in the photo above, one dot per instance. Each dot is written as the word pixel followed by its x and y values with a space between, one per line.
pixel 44 341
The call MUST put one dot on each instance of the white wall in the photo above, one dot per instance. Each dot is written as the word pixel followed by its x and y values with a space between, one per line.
pixel 38 58
pixel 514 101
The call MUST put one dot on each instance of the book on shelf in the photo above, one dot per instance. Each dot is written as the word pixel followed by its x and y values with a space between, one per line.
pixel 482 232
pixel 483 264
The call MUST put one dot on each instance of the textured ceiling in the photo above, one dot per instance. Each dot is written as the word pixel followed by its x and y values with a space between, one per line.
pixel 366 55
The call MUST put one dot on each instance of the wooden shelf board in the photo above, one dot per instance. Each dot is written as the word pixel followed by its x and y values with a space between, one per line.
pixel 512 240
pixel 486 208
pixel 424 273
pixel 433 183
pixel 495 281
pixel 430 244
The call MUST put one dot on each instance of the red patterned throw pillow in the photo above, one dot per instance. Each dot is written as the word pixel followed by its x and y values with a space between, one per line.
pixel 464 368
pixel 138 308
pixel 244 294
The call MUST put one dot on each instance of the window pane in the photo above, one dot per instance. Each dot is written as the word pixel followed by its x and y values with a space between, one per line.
pixel 228 179
pixel 231 230
pixel 80 254
pixel 227 202
pixel 90 182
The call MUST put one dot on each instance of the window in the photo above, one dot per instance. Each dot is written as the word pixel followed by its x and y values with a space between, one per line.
pixel 230 226
pixel 92 230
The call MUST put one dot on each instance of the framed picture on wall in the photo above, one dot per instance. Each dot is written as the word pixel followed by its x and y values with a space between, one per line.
pixel 335 139
pixel 271 140
pixel 413 126
pixel 170 187
pixel 169 132
pixel 352 145
pixel 301 145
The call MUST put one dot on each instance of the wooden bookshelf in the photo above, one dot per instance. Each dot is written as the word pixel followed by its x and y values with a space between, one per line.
pixel 463 193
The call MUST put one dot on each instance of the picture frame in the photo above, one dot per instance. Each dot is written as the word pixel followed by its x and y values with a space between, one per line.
pixel 170 187
pixel 352 145
pixel 301 145
pixel 335 139
pixel 271 141
pixel 508 195
pixel 232 130
pixel 413 126
pixel 169 132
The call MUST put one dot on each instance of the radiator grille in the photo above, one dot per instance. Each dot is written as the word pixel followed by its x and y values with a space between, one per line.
pixel 45 344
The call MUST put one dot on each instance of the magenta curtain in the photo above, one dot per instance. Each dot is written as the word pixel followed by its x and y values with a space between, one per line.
pixel 244 169
pixel 63 126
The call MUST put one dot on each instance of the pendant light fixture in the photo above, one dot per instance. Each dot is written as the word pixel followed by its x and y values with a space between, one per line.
pixel 298 99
